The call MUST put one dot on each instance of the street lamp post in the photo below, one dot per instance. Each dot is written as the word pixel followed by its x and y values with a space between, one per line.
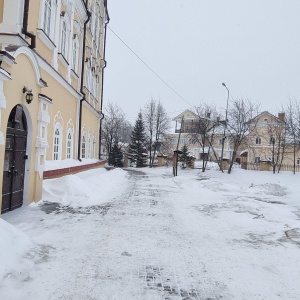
pixel 225 126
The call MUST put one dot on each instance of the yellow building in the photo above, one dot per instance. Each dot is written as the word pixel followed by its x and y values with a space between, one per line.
pixel 52 59
pixel 271 144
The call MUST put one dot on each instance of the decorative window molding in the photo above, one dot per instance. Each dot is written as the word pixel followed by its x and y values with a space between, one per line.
pixel 42 138
pixel 70 139
pixel 69 154
pixel 47 17
pixel 57 142
pixel 63 60
pixel 47 23
pixel 75 54
pixel 83 147
pixel 94 148
pixel 64 37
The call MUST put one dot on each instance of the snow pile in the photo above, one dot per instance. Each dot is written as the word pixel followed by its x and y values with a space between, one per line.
pixel 67 163
pixel 93 187
pixel 14 248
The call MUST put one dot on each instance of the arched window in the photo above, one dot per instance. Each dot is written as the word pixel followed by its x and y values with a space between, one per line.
pixel 56 144
pixel 83 146
pixel 75 54
pixel 47 17
pixel 70 145
pixel 63 47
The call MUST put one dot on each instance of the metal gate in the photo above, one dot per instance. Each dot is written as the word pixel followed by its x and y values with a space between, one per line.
pixel 14 160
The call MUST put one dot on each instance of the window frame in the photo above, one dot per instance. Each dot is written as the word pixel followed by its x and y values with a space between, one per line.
pixel 69 144
pixel 57 142
pixel 47 14
pixel 258 140
pixel 75 54
pixel 83 147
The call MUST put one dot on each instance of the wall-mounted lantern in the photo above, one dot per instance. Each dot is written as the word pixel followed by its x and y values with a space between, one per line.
pixel 29 95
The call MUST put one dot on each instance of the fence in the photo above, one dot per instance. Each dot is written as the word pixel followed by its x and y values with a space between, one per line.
pixel 283 167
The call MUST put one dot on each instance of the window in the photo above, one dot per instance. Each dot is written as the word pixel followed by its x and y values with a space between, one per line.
pixel 257 160
pixel 272 140
pixel 83 146
pixel 220 141
pixel 258 141
pixel 69 145
pixel 56 144
pixel 90 148
pixel 75 54
pixel 298 161
pixel 94 148
pixel 47 17
pixel 63 47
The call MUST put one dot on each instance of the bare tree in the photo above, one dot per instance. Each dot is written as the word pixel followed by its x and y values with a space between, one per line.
pixel 293 127
pixel 277 131
pixel 156 123
pixel 114 120
pixel 240 124
pixel 203 129
pixel 149 113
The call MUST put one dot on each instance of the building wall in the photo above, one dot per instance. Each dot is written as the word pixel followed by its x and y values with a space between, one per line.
pixel 55 82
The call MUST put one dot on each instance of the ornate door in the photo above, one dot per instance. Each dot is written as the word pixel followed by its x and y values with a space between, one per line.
pixel 14 160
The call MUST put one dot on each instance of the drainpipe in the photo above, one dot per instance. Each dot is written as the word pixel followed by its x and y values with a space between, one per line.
pixel 25 25
pixel 82 78
pixel 101 101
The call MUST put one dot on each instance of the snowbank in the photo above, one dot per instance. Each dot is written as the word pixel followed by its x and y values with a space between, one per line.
pixel 93 187
pixel 14 248
pixel 67 163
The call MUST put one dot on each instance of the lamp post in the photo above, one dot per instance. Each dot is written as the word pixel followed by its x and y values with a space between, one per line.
pixel 225 126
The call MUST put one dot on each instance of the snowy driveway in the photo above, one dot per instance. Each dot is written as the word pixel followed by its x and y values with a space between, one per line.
pixel 197 236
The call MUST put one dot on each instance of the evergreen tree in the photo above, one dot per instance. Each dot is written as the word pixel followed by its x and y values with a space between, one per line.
pixel 185 157
pixel 136 151
pixel 116 156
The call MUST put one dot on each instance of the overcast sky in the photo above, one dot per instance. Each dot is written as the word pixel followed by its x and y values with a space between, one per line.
pixel 195 45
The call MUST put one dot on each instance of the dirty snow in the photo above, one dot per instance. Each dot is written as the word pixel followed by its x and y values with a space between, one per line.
pixel 144 234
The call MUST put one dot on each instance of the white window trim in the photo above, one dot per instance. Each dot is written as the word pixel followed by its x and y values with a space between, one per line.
pixel 70 131
pixel 83 142
pixel 64 55
pixel 75 60
pixel 60 129
pixel 48 40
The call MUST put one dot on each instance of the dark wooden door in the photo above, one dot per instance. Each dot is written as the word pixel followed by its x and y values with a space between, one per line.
pixel 14 161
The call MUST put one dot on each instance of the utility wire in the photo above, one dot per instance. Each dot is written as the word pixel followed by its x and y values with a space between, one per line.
pixel 150 68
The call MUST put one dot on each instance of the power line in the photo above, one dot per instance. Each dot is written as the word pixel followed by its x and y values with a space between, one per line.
pixel 150 68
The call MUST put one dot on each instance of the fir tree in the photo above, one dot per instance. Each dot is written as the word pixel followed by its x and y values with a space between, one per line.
pixel 116 156
pixel 136 151
pixel 185 156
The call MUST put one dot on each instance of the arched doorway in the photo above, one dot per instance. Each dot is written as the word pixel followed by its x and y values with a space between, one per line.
pixel 14 160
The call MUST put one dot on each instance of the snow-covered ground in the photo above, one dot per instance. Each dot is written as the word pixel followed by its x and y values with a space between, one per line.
pixel 144 234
